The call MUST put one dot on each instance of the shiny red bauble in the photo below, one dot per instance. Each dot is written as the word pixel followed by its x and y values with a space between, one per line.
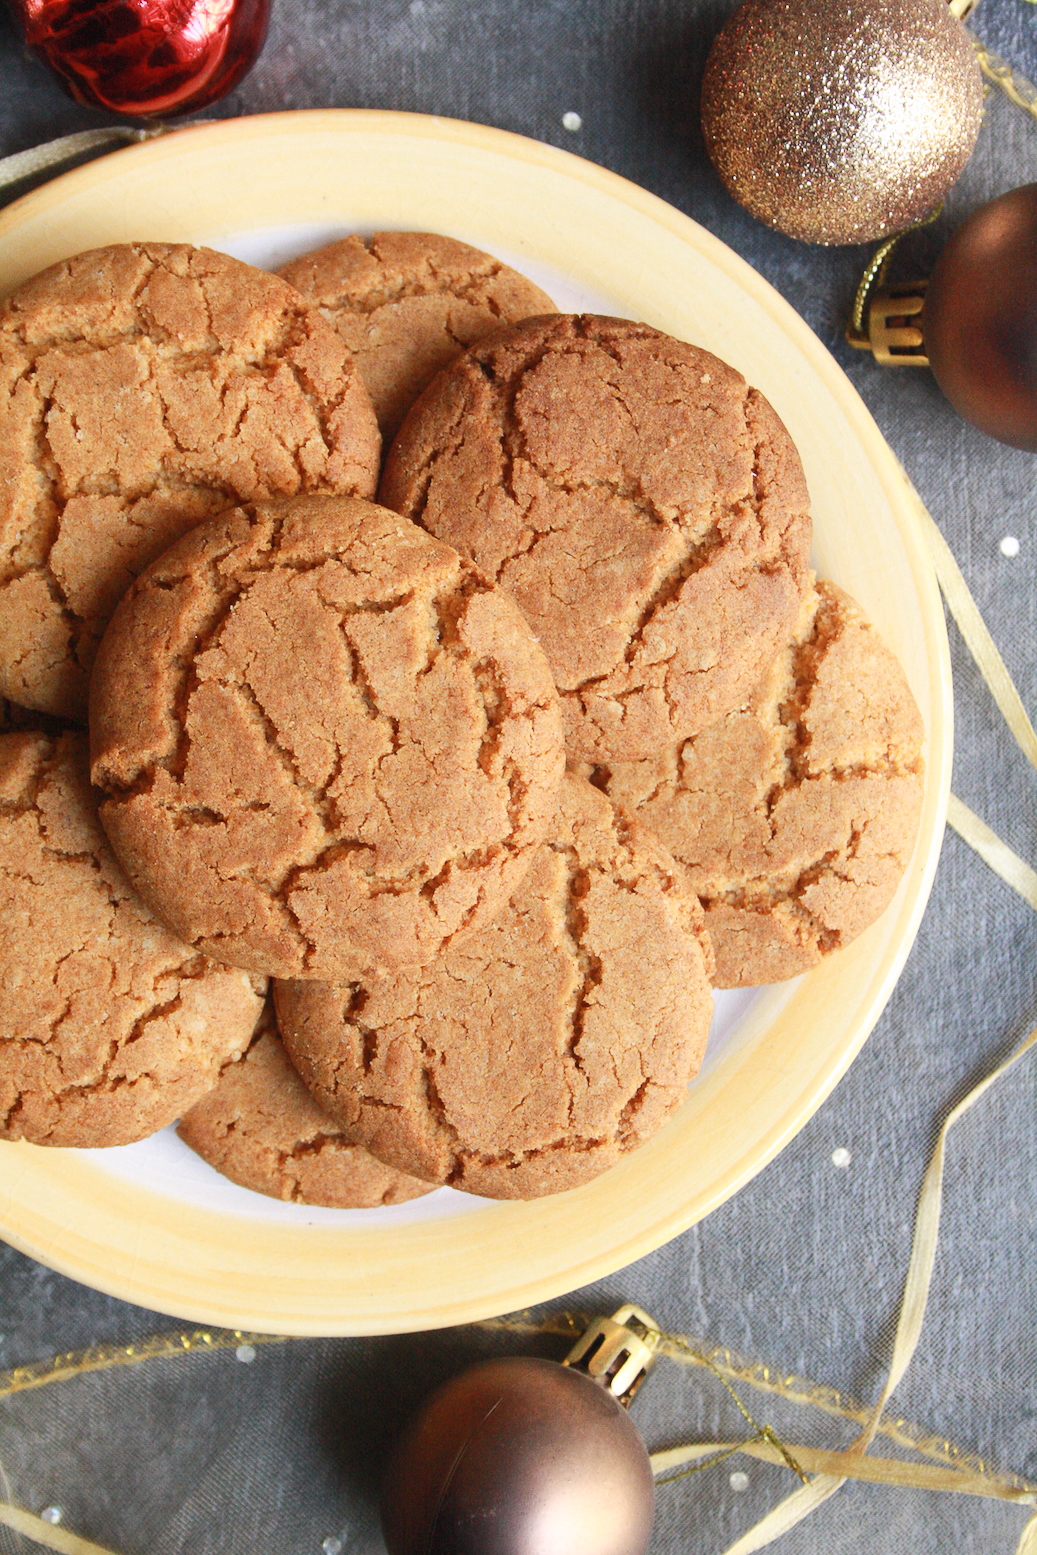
pixel 979 321
pixel 145 57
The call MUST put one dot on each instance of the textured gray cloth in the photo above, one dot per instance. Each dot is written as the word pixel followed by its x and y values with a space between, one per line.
pixel 804 1268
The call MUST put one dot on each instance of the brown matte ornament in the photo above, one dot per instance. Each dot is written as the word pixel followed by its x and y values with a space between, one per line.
pixel 522 1456
pixel 841 123
pixel 979 320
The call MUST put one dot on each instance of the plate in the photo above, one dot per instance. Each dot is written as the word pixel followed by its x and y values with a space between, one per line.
pixel 150 1223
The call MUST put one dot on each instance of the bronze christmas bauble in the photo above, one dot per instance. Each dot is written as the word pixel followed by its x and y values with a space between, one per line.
pixel 979 321
pixel 519 1457
pixel 841 122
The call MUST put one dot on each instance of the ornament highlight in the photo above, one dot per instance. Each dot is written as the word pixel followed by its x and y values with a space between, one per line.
pixel 522 1456
pixel 145 57
pixel 841 123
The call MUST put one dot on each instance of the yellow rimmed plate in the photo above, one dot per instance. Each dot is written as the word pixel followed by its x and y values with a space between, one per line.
pixel 150 1223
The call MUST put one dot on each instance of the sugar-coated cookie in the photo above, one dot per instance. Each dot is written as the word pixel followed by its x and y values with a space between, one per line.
pixel 109 1027
pixel 144 388
pixel 794 819
pixel 405 303
pixel 645 507
pixel 327 743
pixel 260 1127
pixel 535 1055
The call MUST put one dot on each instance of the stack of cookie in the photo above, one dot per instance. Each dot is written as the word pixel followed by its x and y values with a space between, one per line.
pixel 466 771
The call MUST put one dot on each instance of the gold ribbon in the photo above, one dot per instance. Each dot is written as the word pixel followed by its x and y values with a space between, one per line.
pixel 68 148
pixel 76 1363
pixel 50 1535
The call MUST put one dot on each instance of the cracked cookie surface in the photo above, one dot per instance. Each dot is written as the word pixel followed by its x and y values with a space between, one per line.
pixel 404 305
pixel 260 1127
pixel 144 388
pixel 644 506
pixel 534 1056
pixel 793 820
pixel 328 743
pixel 109 1027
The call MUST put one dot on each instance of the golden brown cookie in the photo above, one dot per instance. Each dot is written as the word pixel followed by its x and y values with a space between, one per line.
pixel 645 507
pixel 793 820
pixel 109 1027
pixel 261 1128
pixel 534 1056
pixel 405 303
pixel 328 743
pixel 143 388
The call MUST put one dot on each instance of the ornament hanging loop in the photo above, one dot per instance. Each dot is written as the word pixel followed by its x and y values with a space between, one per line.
pixel 962 8
pixel 886 321
pixel 618 1351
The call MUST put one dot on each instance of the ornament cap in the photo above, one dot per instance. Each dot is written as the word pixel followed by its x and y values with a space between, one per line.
pixel 617 1352
pixel 894 334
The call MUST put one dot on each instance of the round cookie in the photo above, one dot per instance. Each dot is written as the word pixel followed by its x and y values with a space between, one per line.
pixel 109 1027
pixel 793 820
pixel 146 387
pixel 405 303
pixel 645 507
pixel 328 743
pixel 261 1128
pixel 535 1055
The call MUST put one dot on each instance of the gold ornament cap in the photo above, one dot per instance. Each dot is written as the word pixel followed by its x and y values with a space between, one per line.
pixel 841 123
pixel 618 1351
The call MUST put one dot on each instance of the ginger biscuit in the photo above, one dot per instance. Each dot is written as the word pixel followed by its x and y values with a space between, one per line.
pixel 643 505
pixel 793 820
pixel 144 388
pixel 538 1053
pixel 260 1127
pixel 327 743
pixel 109 1027
pixel 405 303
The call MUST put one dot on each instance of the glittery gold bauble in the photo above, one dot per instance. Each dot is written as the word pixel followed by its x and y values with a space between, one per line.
pixel 841 121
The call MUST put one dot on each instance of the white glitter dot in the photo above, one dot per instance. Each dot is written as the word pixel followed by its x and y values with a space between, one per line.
pixel 332 1545
pixel 1009 546
pixel 51 1514
pixel 245 1353
pixel 571 122
pixel 739 1481
pixel 841 1156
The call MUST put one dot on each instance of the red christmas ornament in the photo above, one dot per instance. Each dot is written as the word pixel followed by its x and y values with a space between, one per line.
pixel 145 57
pixel 528 1457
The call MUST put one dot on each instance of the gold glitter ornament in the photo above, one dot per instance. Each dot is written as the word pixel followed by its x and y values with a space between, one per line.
pixel 841 122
